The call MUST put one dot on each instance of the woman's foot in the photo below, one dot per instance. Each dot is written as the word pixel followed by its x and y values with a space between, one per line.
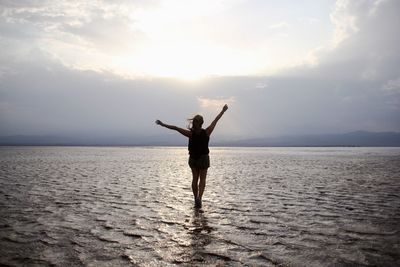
pixel 197 202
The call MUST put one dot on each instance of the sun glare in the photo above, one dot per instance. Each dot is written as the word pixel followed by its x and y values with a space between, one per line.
pixel 197 40
pixel 178 46
pixel 189 61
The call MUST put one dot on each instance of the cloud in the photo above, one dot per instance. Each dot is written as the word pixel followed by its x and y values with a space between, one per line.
pixel 154 38
pixel 280 25
pixel 215 102
pixel 345 19
pixel 85 35
pixel 261 85
pixel 364 46
pixel 45 97
pixel 392 85
pixel 353 85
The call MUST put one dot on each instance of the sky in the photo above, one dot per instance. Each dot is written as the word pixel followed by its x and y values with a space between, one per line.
pixel 111 68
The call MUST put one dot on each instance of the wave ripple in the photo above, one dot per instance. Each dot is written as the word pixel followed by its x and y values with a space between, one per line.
pixel 92 206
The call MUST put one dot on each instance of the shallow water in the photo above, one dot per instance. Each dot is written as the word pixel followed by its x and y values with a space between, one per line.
pixel 98 206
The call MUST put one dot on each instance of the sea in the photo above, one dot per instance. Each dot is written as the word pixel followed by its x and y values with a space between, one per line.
pixel 133 206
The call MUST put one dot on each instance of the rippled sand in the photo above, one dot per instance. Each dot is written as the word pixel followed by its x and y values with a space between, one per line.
pixel 71 206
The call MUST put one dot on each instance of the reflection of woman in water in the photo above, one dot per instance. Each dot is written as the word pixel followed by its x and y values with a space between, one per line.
pixel 199 160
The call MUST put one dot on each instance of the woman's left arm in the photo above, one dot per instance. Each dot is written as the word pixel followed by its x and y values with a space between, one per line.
pixel 210 128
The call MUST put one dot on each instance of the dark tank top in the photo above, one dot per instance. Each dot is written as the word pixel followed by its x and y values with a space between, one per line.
pixel 198 144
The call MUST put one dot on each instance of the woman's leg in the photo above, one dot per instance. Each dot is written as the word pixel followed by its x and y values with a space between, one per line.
pixel 195 180
pixel 202 184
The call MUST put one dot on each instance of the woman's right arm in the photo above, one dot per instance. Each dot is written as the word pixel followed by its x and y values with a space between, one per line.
pixel 184 132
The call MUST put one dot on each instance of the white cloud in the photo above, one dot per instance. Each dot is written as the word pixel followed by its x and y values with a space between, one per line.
pixel 375 6
pixel 156 38
pixel 81 34
pixel 280 25
pixel 215 102
pixel 344 19
pixel 392 85
pixel 261 85
pixel 365 45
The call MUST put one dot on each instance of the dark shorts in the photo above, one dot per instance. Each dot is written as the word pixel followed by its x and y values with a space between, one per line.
pixel 203 162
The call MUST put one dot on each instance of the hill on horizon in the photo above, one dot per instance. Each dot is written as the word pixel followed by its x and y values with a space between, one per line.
pixel 357 138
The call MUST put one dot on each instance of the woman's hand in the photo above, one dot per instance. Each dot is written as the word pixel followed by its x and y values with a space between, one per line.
pixel 158 122
pixel 225 108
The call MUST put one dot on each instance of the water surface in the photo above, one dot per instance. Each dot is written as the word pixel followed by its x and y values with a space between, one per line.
pixel 112 206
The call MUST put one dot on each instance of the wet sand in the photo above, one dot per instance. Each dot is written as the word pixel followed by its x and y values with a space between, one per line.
pixel 98 206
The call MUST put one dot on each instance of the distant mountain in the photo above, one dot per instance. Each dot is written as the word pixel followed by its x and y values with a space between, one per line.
pixel 58 140
pixel 358 138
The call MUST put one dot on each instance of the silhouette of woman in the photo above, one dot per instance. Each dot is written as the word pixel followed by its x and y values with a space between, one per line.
pixel 199 160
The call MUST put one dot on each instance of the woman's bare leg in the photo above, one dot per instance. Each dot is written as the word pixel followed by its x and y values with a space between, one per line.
pixel 202 183
pixel 195 180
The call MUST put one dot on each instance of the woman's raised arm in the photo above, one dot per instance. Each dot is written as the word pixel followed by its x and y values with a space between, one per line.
pixel 210 128
pixel 184 132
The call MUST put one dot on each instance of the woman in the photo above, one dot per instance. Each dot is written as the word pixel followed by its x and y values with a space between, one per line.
pixel 199 160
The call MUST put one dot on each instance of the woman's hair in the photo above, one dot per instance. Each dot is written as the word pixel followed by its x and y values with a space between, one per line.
pixel 195 122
